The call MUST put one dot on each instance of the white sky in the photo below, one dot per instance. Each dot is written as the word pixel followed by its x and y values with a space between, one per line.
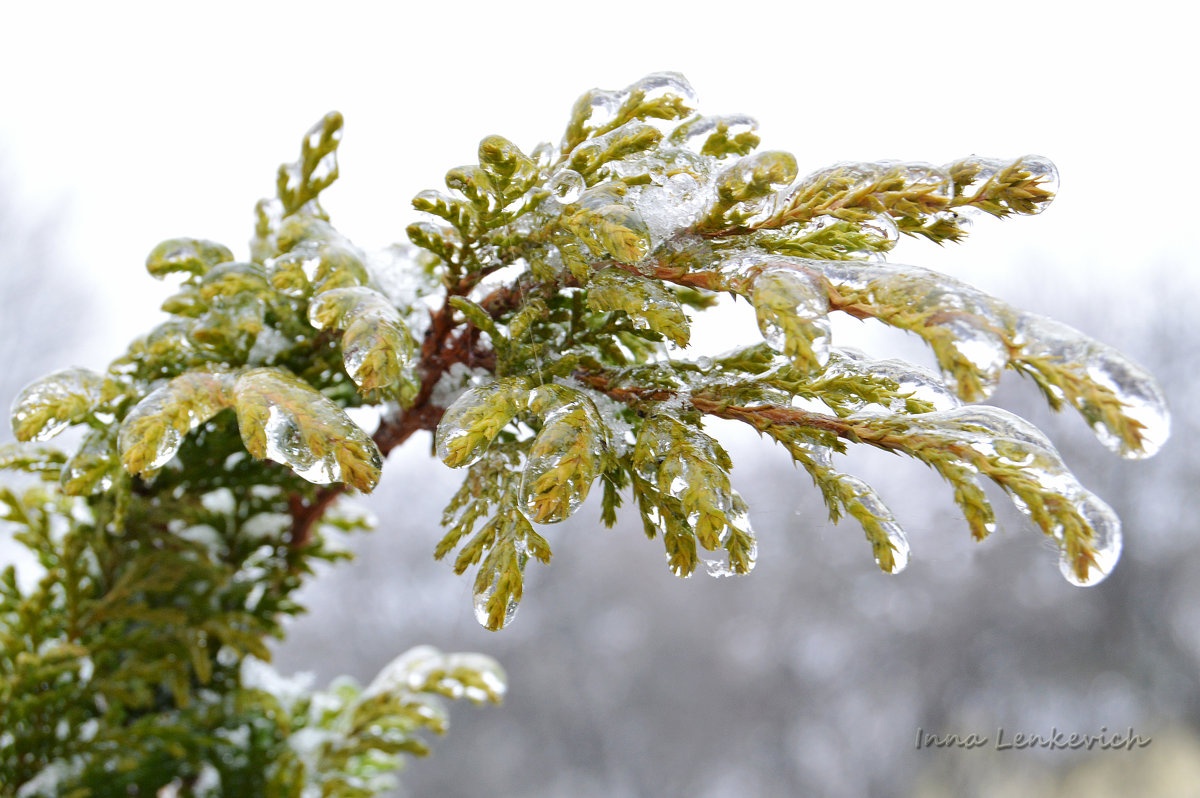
pixel 160 120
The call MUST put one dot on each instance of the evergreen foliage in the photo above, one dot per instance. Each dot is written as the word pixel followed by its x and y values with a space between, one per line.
pixel 534 324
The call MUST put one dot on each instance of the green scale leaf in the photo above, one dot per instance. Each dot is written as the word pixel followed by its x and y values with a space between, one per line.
pixel 48 406
pixel 154 430
pixel 648 302
pixel 283 418
pixel 566 456
pixel 377 348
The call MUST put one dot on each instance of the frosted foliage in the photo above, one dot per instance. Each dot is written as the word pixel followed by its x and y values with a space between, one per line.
pixel 425 667
pixel 172 410
pixel 285 420
pixel 373 337
pixel 951 315
pixel 1010 442
pixel 338 307
pixel 975 336
pixel 49 405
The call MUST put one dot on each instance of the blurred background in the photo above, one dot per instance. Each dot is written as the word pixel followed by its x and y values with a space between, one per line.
pixel 125 124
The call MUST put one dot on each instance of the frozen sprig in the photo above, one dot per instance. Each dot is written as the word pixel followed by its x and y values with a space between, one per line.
pixel 538 333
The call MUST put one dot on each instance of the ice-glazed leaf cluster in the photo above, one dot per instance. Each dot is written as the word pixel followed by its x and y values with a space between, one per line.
pixel 641 215
pixel 538 323
pixel 174 536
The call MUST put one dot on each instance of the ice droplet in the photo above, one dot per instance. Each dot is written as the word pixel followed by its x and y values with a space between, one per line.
pixel 566 186
pixel 983 348
pixel 483 597
pixel 481 606
pixel 1105 542
pixel 1142 405
pixel 153 431
pixel 883 226
pixel 285 444
pixel 303 430
pixel 673 206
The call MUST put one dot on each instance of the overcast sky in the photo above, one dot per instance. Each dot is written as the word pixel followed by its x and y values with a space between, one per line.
pixel 151 121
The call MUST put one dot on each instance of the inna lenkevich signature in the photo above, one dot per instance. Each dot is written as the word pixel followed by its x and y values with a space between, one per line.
pixel 1054 741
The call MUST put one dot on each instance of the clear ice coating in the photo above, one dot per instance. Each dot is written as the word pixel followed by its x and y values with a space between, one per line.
pixel 975 336
pixel 469 425
pixel 565 457
pixel 503 581
pixel 1105 544
pixel 1142 420
pixel 90 470
pixel 887 537
pixel 976 177
pixel 913 381
pixel 153 431
pixel 1017 456
pixel 482 599
pixel 48 406
pixel 459 675
pixel 284 419
pixel 376 345
pixel 697 133
pixel 663 84
pixel 826 191
pixel 792 311
pixel 193 255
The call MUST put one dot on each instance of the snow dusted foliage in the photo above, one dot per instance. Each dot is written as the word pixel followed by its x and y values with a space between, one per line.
pixel 538 324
